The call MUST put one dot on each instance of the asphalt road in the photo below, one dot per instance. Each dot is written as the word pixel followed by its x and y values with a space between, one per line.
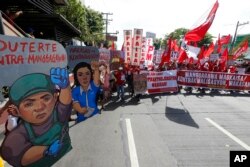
pixel 163 130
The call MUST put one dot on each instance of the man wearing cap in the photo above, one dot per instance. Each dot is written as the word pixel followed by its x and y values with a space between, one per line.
pixel 42 136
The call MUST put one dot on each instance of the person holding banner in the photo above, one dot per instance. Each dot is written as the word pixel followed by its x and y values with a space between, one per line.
pixel 41 138
pixel 85 89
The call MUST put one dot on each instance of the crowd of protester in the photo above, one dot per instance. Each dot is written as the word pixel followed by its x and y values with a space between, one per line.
pixel 94 86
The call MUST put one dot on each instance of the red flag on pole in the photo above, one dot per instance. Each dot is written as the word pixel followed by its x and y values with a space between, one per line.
pixel 223 61
pixel 174 45
pixel 214 9
pixel 113 45
pixel 209 51
pixel 200 57
pixel 201 54
pixel 182 56
pixel 166 54
pixel 199 32
pixel 225 39
pixel 243 48
pixel 218 45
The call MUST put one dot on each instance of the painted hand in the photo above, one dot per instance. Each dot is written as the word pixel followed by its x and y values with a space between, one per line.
pixel 90 112
pixel 59 76
pixel 95 65
pixel 12 110
pixel 54 148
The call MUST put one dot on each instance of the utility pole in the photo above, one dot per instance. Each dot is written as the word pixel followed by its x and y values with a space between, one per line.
pixel 235 34
pixel 106 22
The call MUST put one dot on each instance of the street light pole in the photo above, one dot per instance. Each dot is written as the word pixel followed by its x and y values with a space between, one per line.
pixel 106 22
pixel 235 34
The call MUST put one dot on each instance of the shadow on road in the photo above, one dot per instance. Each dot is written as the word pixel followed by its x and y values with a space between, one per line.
pixel 180 116
pixel 217 93
pixel 114 103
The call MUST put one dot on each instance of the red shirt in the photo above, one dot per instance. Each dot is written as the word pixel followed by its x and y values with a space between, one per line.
pixel 120 78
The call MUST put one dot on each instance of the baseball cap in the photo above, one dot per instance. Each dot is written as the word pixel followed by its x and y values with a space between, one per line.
pixel 28 85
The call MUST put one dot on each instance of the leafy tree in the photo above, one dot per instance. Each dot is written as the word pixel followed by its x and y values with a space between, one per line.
pixel 88 21
pixel 157 43
pixel 95 26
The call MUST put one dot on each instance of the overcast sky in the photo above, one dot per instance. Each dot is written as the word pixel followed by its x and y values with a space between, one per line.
pixel 164 16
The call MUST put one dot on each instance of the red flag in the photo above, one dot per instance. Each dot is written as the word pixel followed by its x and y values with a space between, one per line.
pixel 166 54
pixel 199 32
pixel 243 48
pixel 201 54
pixel 182 56
pixel 214 9
pixel 163 58
pixel 113 45
pixel 122 49
pixel 224 58
pixel 218 45
pixel 174 45
pixel 200 57
pixel 225 39
pixel 210 50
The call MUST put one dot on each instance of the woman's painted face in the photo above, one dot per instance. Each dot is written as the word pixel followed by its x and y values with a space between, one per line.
pixel 37 108
pixel 83 76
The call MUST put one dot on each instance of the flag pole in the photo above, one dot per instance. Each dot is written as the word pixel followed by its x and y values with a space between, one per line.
pixel 235 33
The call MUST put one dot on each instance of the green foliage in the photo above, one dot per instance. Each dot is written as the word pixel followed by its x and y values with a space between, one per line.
pixel 206 40
pixel 178 33
pixel 95 26
pixel 88 21
pixel 157 43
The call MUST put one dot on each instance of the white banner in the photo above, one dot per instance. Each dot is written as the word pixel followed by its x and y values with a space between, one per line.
pixel 174 55
pixel 128 46
pixel 190 50
pixel 137 45
pixel 21 56
pixel 158 55
pixel 160 82
pixel 143 50
pixel 149 57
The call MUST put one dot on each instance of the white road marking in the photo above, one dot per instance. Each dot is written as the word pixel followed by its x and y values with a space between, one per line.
pixel 131 145
pixel 237 140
